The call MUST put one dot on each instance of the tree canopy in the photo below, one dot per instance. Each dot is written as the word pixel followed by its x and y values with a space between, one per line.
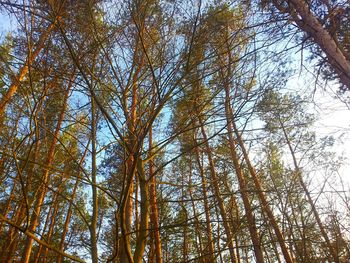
pixel 172 131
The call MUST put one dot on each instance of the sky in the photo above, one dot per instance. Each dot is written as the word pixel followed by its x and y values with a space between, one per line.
pixel 5 23
pixel 333 115
pixel 335 120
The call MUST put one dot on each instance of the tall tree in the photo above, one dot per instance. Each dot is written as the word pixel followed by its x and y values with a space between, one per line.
pixel 325 24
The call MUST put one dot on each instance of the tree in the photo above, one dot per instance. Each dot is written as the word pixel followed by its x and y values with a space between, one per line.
pixel 326 25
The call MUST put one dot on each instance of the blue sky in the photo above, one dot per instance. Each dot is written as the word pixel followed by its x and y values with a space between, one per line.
pixel 5 23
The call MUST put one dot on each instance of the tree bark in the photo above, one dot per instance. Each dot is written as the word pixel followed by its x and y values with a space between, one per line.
pixel 143 229
pixel 94 217
pixel 215 182
pixel 70 208
pixel 308 22
pixel 154 205
pixel 25 68
pixel 45 179
pixel 265 205
pixel 210 257
pixel 243 187
pixel 324 234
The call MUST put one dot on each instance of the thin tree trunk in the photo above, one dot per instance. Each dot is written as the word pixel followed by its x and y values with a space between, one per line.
pixel 324 234
pixel 215 182
pixel 244 193
pixel 38 254
pixel 153 205
pixel 143 229
pixel 126 207
pixel 308 22
pixel 6 207
pixel 51 227
pixel 94 217
pixel 184 222
pixel 198 244
pixel 234 217
pixel 9 247
pixel 265 205
pixel 231 127
pixel 25 68
pixel 45 179
pixel 22 213
pixel 70 208
pixel 242 183
pixel 126 213
pixel 210 245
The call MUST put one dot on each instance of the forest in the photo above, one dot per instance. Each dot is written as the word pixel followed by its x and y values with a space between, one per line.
pixel 174 131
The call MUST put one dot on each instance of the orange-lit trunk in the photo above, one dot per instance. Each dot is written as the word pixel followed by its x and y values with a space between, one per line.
pixel 70 209
pixel 265 205
pixel 242 183
pixel 34 221
pixel 126 209
pixel 25 68
pixel 215 182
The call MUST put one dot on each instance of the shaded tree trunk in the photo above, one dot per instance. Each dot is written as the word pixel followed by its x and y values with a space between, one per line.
pixel 153 205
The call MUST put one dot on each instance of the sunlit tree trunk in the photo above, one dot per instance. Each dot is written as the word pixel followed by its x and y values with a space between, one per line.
pixel 215 182
pixel 51 220
pixel 265 205
pixel 198 234
pixel 34 221
pixel 204 186
pixel 21 212
pixel 337 57
pixel 227 75
pixel 234 216
pixel 131 163
pixel 144 210
pixel 184 219
pixel 25 68
pixel 7 206
pixel 153 204
pixel 70 208
pixel 243 189
pixel 298 174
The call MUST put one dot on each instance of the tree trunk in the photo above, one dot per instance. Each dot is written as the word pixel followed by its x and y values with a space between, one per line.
pixel 324 234
pixel 45 179
pixel 210 245
pixel 215 182
pixel 153 205
pixel 25 68
pixel 94 217
pixel 70 208
pixel 308 22
pixel 243 188
pixel 265 205
pixel 143 229
pixel 231 128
